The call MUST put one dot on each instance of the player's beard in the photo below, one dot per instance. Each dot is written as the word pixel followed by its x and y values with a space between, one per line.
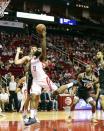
pixel 37 53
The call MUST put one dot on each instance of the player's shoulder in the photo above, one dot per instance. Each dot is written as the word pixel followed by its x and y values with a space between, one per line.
pixel 102 64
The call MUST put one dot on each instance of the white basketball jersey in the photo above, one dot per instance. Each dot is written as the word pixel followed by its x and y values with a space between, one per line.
pixel 37 70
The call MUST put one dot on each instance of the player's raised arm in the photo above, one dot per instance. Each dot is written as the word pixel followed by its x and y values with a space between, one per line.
pixel 41 30
pixel 43 46
pixel 22 60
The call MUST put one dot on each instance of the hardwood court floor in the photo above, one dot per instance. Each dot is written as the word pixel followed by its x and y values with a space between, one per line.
pixel 53 121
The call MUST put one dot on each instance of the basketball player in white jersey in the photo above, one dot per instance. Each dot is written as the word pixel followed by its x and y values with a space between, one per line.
pixel 40 78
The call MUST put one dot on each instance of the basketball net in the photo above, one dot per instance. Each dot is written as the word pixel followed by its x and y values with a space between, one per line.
pixel 3 5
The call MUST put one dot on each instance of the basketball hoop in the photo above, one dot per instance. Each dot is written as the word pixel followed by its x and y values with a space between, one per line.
pixel 3 6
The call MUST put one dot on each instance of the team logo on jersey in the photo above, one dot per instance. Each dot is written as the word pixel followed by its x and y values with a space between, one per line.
pixel 68 101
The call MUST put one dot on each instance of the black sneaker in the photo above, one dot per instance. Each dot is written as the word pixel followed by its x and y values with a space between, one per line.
pixel 30 121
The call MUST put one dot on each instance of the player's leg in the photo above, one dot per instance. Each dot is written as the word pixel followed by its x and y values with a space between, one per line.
pixel 26 104
pixel 62 88
pixel 69 100
pixel 34 106
pixel 102 101
pixel 34 102
pixel 70 108
pixel 102 98
pixel 1 109
pixel 92 102
pixel 55 90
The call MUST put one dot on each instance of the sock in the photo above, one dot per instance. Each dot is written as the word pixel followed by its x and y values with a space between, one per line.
pixel 33 113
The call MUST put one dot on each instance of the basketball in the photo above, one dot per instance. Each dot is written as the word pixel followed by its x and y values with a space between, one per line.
pixel 40 28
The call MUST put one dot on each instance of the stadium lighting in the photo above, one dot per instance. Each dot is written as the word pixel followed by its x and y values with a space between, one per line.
pixel 35 16
pixel 6 13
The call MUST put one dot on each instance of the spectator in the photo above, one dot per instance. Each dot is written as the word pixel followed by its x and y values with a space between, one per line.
pixel 13 94
pixel 1 64
pixel 4 100
pixel 8 78
pixel 67 74
pixel 46 103
pixel 11 61
pixel 55 103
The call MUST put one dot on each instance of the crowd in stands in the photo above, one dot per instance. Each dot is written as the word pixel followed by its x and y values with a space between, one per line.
pixel 61 51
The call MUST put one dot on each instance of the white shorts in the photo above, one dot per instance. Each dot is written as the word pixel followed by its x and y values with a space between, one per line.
pixel 45 83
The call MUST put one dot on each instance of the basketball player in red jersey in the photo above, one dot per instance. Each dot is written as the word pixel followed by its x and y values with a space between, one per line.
pixel 40 79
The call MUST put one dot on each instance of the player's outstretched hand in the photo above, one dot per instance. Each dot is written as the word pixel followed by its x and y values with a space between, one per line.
pixel 19 50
